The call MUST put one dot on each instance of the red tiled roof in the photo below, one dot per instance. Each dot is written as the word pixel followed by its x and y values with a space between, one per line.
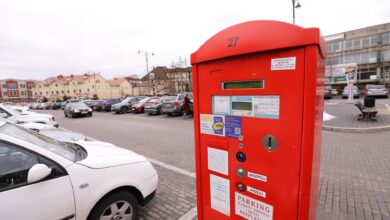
pixel 115 81
pixel 81 78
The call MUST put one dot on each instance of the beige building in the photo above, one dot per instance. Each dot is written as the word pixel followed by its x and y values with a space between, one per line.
pixel 81 86
pixel 162 80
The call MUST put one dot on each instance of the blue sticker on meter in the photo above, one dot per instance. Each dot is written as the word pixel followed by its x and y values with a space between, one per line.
pixel 218 125
pixel 233 126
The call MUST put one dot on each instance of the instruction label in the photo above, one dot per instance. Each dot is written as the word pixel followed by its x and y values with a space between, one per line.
pixel 221 105
pixel 220 194
pixel 287 63
pixel 266 106
pixel 257 176
pixel 251 208
pixel 256 192
pixel 217 160
pixel 233 126
pixel 212 124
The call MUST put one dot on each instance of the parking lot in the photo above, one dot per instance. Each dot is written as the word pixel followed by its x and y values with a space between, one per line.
pixel 354 178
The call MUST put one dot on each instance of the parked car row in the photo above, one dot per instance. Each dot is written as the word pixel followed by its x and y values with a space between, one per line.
pixel 170 105
pixel 38 160
pixel 371 91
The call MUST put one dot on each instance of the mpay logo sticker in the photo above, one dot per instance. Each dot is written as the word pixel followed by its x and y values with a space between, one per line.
pixel 218 125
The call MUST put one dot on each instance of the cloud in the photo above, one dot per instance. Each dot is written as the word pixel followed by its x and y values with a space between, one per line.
pixel 43 38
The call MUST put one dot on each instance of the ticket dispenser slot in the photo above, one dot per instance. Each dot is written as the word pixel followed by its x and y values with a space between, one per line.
pixel 254 117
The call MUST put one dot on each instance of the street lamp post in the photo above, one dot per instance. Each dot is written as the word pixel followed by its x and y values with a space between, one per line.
pixel 295 4
pixel 146 54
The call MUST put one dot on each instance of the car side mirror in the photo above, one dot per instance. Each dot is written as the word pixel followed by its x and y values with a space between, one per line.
pixel 38 172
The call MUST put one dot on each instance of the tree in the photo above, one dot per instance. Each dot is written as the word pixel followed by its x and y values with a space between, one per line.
pixel 95 97
pixel 44 99
pixel 64 98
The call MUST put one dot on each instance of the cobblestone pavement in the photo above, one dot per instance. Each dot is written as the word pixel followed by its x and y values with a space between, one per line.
pixel 354 177
pixel 347 113
pixel 176 195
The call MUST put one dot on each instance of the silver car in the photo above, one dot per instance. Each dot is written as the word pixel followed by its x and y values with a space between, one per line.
pixel 377 91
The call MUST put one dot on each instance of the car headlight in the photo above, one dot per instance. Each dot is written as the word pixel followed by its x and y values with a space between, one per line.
pixel 89 109
pixel 76 110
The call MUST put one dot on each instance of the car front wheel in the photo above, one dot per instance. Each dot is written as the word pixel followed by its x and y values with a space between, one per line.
pixel 118 205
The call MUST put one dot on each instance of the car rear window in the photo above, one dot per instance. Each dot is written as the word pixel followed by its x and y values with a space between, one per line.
pixel 170 98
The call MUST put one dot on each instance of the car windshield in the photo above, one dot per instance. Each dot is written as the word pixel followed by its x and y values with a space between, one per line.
pixel 10 111
pixel 79 105
pixel 170 98
pixel 354 88
pixel 377 87
pixel 144 100
pixel 126 100
pixel 154 100
pixel 35 138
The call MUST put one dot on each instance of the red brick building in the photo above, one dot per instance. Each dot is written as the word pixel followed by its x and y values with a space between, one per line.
pixel 15 90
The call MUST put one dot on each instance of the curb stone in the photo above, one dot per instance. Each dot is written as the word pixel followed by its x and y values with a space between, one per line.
pixel 356 130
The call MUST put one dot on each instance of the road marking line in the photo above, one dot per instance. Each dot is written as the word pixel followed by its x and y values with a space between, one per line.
pixel 173 168
pixel 388 107
pixel 189 215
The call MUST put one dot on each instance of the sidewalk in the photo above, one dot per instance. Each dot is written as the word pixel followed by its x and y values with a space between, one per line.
pixel 345 116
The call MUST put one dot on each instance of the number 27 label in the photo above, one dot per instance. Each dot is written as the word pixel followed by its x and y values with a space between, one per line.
pixel 232 41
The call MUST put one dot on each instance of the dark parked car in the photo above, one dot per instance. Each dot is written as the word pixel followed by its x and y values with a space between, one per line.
pixel 173 105
pixel 126 105
pixel 106 106
pixel 98 106
pixel 56 105
pixel 377 91
pixel 140 106
pixel 327 92
pixel 153 106
pixel 90 103
pixel 75 109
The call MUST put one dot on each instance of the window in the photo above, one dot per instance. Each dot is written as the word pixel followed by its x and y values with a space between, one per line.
pixel 74 91
pixel 14 165
pixel 47 93
pixel 62 91
pixel 79 90
pixel 365 42
pixel 356 43
pixel 386 38
pixel 374 41
pixel 386 55
pixel 57 92
pixel 348 44
pixel 56 85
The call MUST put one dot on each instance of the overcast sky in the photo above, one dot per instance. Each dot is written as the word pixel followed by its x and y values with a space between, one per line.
pixel 43 38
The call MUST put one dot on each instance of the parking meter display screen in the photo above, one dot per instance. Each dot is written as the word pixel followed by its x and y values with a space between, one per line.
pixel 246 106
pixel 254 84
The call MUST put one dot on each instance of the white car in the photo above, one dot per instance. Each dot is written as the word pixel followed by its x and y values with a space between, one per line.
pixel 7 112
pixel 27 111
pixel 29 125
pixel 41 178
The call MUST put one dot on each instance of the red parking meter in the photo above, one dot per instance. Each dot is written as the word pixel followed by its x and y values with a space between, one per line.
pixel 258 103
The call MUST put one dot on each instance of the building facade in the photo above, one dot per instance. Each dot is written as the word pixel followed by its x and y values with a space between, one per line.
pixel 367 50
pixel 15 90
pixel 84 86
pixel 163 80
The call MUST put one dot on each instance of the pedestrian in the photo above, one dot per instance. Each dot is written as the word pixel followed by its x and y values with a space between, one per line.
pixel 186 106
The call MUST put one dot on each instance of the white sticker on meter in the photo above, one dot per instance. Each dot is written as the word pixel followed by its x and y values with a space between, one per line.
pixel 287 63
pixel 250 208
pixel 220 194
pixel 266 106
pixel 257 192
pixel 217 160
pixel 257 176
